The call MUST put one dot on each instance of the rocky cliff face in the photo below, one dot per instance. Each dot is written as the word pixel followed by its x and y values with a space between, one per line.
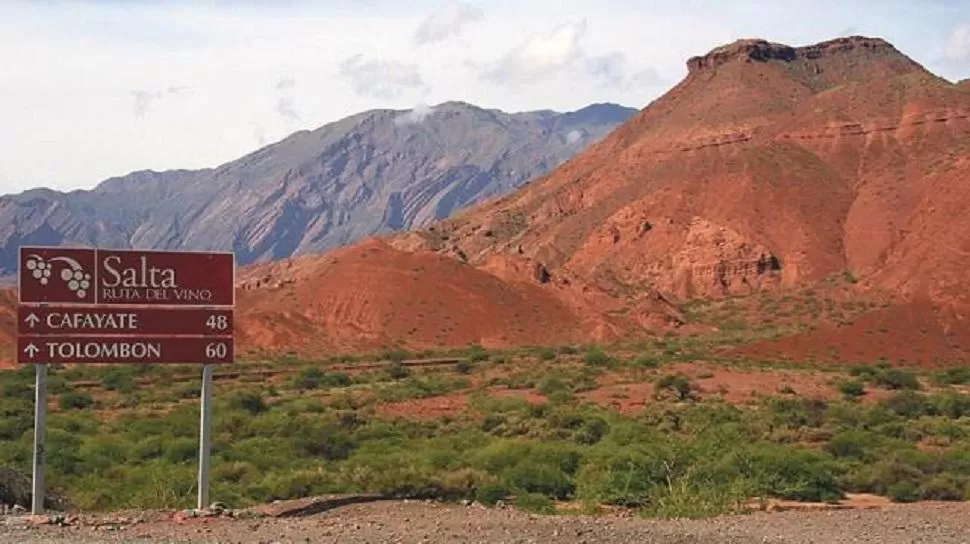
pixel 375 172
pixel 767 166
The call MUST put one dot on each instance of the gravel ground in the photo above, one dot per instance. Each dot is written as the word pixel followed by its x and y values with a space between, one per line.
pixel 433 523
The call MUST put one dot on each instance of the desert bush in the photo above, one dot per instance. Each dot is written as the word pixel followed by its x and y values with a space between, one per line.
pixel 75 400
pixel 398 371
pixel 546 354
pixel 477 354
pixel 595 356
pixel 395 355
pixel 535 503
pixel 119 378
pixel 250 400
pixel 679 384
pixel 851 388
pixel 490 494
pixel 895 378
pixel 669 459
pixel 646 361
pixel 958 375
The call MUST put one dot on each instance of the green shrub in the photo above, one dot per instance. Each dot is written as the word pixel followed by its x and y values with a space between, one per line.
pixel 679 384
pixel 943 487
pixel 952 405
pixel 646 361
pixel 477 354
pixel 398 371
pixel 119 378
pixel 310 377
pixel 958 375
pixel 395 355
pixel 793 474
pixel 896 378
pixel 909 404
pixel 249 400
pixel 17 390
pixel 181 450
pixel 595 356
pixel 851 388
pixel 535 503
pixel 75 400
pixel 490 494
pixel 553 384
pixel 592 431
pixel 903 492
pixel 546 354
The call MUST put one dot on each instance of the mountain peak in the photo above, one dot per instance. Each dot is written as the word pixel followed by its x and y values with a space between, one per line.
pixel 756 49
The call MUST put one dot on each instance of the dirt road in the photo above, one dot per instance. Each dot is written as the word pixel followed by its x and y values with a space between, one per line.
pixel 421 522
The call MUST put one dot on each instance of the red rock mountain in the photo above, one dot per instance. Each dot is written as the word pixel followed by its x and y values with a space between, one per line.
pixel 766 167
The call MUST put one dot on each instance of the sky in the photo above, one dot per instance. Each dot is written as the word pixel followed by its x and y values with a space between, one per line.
pixel 94 89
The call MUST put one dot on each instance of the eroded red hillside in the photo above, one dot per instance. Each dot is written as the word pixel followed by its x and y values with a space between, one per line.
pixel 370 296
pixel 767 166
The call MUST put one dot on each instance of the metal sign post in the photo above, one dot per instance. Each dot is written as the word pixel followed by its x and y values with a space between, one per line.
pixel 40 428
pixel 90 305
pixel 205 436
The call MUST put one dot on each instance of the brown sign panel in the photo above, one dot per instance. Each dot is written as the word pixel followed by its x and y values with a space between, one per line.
pixel 130 349
pixel 130 277
pixel 165 278
pixel 63 275
pixel 76 320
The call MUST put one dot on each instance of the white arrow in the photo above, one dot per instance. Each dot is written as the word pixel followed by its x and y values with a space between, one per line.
pixel 32 320
pixel 31 350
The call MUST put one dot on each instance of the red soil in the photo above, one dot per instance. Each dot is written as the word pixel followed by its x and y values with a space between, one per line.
pixel 906 334
pixel 626 393
pixel 425 409
pixel 371 295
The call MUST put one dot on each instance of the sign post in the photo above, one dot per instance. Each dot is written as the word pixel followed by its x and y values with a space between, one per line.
pixel 40 427
pixel 205 436
pixel 91 305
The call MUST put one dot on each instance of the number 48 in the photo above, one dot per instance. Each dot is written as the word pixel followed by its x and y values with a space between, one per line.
pixel 217 322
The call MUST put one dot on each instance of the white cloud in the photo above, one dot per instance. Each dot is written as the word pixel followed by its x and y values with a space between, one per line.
pixel 260 70
pixel 416 115
pixel 957 46
pixel 284 103
pixel 540 56
pixel 560 52
pixel 284 107
pixel 385 79
pixel 574 136
pixel 447 22
pixel 144 100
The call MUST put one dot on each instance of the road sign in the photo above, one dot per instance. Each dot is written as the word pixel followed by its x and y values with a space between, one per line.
pixel 90 305
pixel 127 349
pixel 129 277
pixel 72 319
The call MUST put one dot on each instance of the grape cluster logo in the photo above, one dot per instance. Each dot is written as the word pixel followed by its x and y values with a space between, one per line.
pixel 71 273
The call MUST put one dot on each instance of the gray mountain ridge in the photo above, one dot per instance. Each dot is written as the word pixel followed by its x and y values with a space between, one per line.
pixel 374 172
